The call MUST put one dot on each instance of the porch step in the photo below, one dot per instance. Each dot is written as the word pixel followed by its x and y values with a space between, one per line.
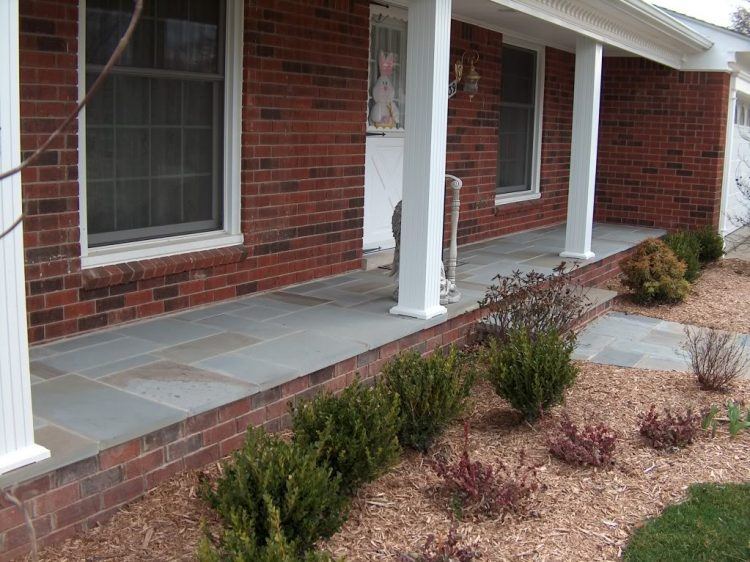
pixel 374 260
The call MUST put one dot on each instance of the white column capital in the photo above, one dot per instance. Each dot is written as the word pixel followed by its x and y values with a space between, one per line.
pixel 427 76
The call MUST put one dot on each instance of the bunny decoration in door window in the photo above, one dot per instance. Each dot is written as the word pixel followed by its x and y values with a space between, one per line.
pixel 384 112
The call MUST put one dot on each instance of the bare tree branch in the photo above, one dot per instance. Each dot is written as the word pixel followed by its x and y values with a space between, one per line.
pixel 116 54
pixel 27 521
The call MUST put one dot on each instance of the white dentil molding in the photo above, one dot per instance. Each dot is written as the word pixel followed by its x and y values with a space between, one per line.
pixel 625 24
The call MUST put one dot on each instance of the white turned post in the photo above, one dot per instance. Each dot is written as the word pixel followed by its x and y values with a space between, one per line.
pixel 588 82
pixel 17 446
pixel 428 45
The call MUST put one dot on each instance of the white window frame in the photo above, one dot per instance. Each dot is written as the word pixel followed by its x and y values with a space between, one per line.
pixel 230 234
pixel 536 153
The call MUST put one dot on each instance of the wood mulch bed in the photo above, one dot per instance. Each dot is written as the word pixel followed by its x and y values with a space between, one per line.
pixel 720 298
pixel 580 514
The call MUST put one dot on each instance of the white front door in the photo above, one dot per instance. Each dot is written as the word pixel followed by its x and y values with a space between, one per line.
pixel 384 164
pixel 384 149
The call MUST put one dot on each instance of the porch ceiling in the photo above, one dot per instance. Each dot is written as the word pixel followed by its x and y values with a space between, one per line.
pixel 625 27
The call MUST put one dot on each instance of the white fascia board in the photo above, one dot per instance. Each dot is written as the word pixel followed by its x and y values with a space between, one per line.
pixel 630 25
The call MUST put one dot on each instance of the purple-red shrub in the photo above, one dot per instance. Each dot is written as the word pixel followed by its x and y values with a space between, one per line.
pixel 593 445
pixel 668 430
pixel 484 488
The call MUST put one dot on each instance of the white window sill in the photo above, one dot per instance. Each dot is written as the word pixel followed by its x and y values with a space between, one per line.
pixel 507 198
pixel 158 248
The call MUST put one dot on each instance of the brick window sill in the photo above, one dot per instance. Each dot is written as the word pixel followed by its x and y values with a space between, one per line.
pixel 128 272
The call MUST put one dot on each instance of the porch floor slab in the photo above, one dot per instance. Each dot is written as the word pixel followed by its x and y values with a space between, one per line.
pixel 102 389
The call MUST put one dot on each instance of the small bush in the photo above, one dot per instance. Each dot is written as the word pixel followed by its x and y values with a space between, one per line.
pixel 711 244
pixel 446 550
pixel 272 485
pixel 432 392
pixel 478 487
pixel 738 421
pixel 531 373
pixel 686 247
pixel 239 545
pixel 593 445
pixel 654 273
pixel 717 358
pixel 355 432
pixel 669 431
pixel 534 302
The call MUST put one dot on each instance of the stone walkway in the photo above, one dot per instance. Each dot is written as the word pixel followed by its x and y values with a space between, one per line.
pixel 107 387
pixel 631 340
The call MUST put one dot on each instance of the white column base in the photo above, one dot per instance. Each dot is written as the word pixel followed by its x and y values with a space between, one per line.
pixel 422 314
pixel 22 457
pixel 577 255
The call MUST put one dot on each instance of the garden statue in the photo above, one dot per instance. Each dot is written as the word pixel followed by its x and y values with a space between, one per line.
pixel 448 291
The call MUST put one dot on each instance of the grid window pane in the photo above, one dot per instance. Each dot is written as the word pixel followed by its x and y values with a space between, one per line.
pixel 388 36
pixel 517 113
pixel 153 133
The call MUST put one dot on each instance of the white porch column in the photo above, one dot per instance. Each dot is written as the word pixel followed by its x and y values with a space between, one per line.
pixel 588 83
pixel 427 80
pixel 17 446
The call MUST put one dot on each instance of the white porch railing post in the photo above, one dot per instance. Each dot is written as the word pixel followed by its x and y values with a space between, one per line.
pixel 427 75
pixel 586 96
pixel 17 446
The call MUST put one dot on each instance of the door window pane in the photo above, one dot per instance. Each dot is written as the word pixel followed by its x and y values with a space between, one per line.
pixel 387 87
pixel 153 132
pixel 517 120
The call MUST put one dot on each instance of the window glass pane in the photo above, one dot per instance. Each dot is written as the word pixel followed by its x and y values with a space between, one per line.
pixel 166 201
pixel 198 198
pixel 187 35
pixel 100 206
pixel 518 75
pixel 517 114
pixel 387 87
pixel 154 131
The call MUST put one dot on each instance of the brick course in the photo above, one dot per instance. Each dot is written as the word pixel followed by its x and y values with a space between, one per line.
pixel 661 145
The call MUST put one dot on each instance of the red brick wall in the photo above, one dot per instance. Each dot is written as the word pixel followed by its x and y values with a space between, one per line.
pixel 661 142
pixel 472 142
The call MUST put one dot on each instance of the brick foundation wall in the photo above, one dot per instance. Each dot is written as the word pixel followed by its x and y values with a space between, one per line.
pixel 77 497
pixel 661 145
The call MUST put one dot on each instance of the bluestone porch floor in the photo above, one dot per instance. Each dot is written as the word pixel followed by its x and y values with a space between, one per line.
pixel 102 389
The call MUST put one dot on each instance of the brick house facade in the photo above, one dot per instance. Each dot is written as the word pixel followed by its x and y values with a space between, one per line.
pixel 303 150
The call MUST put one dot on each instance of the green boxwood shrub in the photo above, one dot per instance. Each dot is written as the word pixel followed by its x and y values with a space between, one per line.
pixel 654 273
pixel 711 244
pixel 270 485
pixel 355 432
pixel 531 373
pixel 239 545
pixel 686 247
pixel 432 392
